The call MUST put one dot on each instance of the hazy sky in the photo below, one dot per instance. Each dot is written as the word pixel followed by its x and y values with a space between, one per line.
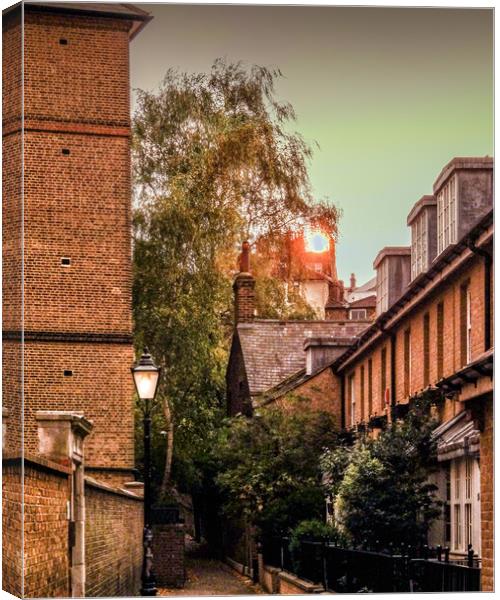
pixel 390 95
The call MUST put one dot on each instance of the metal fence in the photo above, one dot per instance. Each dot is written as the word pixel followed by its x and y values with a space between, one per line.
pixel 349 570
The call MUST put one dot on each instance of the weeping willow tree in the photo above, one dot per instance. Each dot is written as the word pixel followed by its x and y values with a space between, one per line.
pixel 214 163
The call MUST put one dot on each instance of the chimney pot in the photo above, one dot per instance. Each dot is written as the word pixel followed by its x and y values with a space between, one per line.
pixel 245 258
pixel 353 281
pixel 244 288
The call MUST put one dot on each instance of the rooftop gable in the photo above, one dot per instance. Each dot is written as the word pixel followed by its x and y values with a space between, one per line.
pixel 274 350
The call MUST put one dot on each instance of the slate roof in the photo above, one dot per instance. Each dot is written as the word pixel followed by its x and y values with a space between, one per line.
pixel 274 350
pixel 366 287
pixel 368 302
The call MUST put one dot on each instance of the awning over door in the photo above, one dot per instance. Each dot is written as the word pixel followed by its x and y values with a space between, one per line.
pixel 457 437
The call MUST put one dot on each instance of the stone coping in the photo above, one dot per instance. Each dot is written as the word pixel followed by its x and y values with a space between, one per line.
pixel 306 586
pixel 105 487
pixel 424 201
pixel 391 251
pixel 35 460
pixel 461 163
pixel 77 419
pixel 329 341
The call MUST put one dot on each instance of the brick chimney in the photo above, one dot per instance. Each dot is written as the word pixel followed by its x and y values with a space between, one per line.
pixel 353 282
pixel 335 307
pixel 244 289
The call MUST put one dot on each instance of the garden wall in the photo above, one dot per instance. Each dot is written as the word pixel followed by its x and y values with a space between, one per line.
pixel 113 533
pixel 113 540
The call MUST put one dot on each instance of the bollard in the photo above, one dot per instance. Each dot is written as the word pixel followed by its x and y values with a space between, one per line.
pixel 439 551
pixel 470 556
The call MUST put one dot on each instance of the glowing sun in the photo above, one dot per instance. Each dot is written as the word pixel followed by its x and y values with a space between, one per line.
pixel 317 241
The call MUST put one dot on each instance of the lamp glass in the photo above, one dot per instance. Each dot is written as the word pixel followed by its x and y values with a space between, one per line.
pixel 145 383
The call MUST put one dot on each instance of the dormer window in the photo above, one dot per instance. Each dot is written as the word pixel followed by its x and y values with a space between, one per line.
pixel 419 245
pixel 357 314
pixel 447 215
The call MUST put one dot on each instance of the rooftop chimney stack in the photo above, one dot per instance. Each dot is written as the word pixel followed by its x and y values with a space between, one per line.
pixel 244 289
pixel 353 282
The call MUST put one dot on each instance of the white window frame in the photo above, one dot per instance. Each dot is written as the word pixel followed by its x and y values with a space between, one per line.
pixel 465 504
pixel 357 314
pixel 383 287
pixel 352 381
pixel 447 206
pixel 419 245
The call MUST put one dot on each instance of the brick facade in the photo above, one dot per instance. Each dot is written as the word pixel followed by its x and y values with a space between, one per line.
pixel 321 393
pixel 113 533
pixel 108 405
pixel 487 497
pixel 244 298
pixel 67 278
pixel 77 182
pixel 12 527
pixel 113 536
pixel 438 335
pixel 168 552
pixel 46 547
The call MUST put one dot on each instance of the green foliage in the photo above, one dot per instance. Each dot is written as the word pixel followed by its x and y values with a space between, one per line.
pixel 269 471
pixel 214 163
pixel 313 529
pixel 382 494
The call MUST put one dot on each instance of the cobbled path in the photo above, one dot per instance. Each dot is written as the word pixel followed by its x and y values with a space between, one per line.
pixel 209 577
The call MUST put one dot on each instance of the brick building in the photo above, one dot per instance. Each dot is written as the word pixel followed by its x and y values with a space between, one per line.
pixel 67 326
pixel 434 332
pixel 270 358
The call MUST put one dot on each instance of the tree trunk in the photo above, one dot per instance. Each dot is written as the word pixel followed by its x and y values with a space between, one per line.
pixel 169 447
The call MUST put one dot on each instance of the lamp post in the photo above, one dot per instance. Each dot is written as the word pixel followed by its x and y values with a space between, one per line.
pixel 146 376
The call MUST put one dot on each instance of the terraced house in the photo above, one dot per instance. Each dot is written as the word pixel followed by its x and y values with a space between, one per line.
pixel 433 332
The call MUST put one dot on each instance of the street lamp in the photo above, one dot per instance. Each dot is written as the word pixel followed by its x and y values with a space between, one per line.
pixel 146 376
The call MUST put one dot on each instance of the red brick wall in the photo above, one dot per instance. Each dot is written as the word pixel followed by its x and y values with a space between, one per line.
pixel 321 392
pixel 101 387
pixel 87 79
pixel 11 529
pixel 450 297
pixel 11 229
pixel 46 551
pixel 113 542
pixel 487 496
pixel 46 539
pixel 11 66
pixel 77 206
pixel 168 552
pixel 244 298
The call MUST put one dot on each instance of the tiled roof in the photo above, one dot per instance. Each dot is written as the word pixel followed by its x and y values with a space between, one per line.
pixel 274 350
pixel 366 287
pixel 368 302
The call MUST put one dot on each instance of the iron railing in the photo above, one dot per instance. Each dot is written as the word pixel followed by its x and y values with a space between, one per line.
pixel 352 570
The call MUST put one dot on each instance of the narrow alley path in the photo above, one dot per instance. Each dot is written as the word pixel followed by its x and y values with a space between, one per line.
pixel 210 577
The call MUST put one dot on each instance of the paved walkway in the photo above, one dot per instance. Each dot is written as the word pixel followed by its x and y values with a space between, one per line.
pixel 209 577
